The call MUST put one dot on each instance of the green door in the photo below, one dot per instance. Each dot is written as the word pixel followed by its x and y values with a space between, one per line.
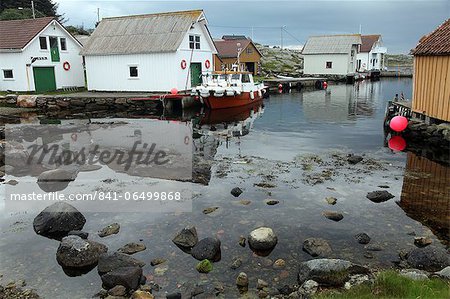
pixel 44 79
pixel 196 74
pixel 54 51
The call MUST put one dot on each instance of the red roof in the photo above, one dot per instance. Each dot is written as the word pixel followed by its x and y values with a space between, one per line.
pixel 228 48
pixel 16 34
pixel 435 43
pixel 368 41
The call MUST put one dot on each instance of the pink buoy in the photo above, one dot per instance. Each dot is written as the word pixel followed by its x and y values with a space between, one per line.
pixel 398 123
pixel 174 91
pixel 325 85
pixel 397 143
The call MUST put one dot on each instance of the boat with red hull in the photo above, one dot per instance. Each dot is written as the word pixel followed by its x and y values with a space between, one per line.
pixel 229 89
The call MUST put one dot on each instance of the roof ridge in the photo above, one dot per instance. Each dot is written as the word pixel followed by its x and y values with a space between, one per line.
pixel 22 20
pixel 331 35
pixel 155 14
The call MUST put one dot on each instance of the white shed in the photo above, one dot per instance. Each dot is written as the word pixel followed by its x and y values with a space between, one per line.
pixel 331 54
pixel 38 55
pixel 153 53
pixel 372 53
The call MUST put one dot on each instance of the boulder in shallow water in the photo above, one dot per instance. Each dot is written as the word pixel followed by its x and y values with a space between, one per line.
pixel 379 196
pixel 75 252
pixel 129 277
pixel 330 272
pixel 207 248
pixel 262 239
pixel 429 258
pixel 57 220
pixel 111 229
pixel 186 238
pixel 108 262
pixel 56 179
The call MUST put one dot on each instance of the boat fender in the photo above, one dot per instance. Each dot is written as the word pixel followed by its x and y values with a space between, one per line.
pixel 252 95
pixel 259 93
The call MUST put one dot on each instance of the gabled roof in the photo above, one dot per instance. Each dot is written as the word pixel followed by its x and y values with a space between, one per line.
pixel 16 34
pixel 435 43
pixel 331 44
pixel 151 33
pixel 228 48
pixel 367 42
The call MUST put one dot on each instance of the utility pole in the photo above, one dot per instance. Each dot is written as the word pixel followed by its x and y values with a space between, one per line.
pixel 360 28
pixel 98 14
pixel 32 9
pixel 281 31
pixel 252 32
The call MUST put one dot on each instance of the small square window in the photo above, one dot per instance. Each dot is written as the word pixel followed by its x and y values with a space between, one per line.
pixel 194 42
pixel 43 42
pixel 134 72
pixel 8 74
pixel 329 65
pixel 63 43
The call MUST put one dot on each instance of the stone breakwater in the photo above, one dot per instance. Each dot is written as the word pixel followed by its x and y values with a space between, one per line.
pixel 60 103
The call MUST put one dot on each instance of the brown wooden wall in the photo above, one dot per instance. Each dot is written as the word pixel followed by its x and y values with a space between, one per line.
pixel 426 194
pixel 254 57
pixel 431 94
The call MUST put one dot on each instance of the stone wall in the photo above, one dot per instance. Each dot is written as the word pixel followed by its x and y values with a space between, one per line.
pixel 61 103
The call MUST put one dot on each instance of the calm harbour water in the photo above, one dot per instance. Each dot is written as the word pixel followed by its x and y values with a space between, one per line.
pixel 290 143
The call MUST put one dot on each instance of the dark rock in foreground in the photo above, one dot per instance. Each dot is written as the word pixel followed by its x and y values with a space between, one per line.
pixel 317 247
pixel 379 196
pixel 236 191
pixel 75 252
pixel 208 248
pixel 57 220
pixel 329 272
pixel 129 277
pixel 109 262
pixel 429 258
pixel 186 238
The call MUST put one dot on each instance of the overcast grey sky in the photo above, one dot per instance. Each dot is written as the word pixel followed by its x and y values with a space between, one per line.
pixel 401 22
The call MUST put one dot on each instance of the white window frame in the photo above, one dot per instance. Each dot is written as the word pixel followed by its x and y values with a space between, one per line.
pixel 8 79
pixel 60 45
pixel 46 43
pixel 129 71
pixel 195 42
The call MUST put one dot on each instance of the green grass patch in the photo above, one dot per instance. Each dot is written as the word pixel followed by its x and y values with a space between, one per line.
pixel 391 285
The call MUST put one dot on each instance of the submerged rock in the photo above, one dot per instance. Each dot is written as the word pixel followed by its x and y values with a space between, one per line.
pixel 335 216
pixel 354 159
pixel 204 266
pixel 242 280
pixel 109 262
pixel 236 191
pixel 111 229
pixel 279 264
pixel 118 290
pixel 157 261
pixel 207 248
pixel 271 202
pixel 374 247
pixel 379 196
pixel 186 238
pixel 129 277
pixel 317 247
pixel 142 295
pixel 132 248
pixel 262 239
pixel 362 238
pixel 242 241
pixel 75 252
pixel 57 220
pixel 429 258
pixel 332 272
pixel 210 210
pixel 237 262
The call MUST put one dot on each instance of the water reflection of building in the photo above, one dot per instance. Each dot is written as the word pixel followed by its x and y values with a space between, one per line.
pixel 341 103
pixel 426 194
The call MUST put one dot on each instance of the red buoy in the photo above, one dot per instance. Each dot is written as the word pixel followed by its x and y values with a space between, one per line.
pixel 324 84
pixel 398 123
pixel 174 91
pixel 280 86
